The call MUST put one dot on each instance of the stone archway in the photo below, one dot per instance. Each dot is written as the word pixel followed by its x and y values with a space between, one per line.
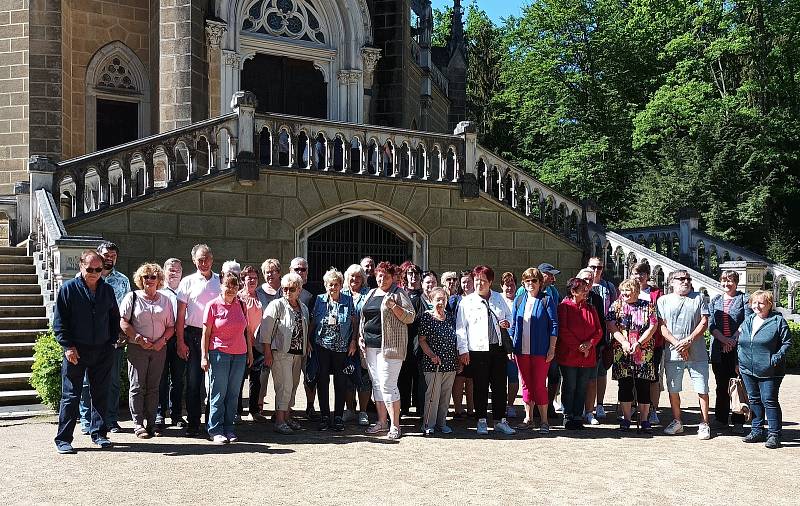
pixel 365 214
pixel 334 36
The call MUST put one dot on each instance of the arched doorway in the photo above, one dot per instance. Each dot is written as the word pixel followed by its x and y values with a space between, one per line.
pixel 287 86
pixel 346 241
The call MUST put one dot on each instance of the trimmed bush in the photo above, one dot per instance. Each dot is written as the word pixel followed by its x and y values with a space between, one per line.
pixel 46 370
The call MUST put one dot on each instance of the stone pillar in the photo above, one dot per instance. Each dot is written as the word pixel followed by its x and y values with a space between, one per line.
pixel 214 33
pixel 469 133
pixel 689 221
pixel 182 74
pixel 231 72
pixel 792 295
pixel 369 59
pixel 350 103
pixel 751 274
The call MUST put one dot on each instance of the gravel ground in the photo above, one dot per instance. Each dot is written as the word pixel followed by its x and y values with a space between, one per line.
pixel 596 466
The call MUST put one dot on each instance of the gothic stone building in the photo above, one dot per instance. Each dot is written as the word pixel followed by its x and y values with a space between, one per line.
pixel 80 78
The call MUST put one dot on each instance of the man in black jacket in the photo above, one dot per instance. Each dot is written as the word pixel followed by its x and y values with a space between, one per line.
pixel 86 325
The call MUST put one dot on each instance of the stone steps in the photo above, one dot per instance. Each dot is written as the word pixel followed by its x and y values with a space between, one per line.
pixel 16 364
pixel 15 381
pixel 22 318
pixel 24 397
pixel 22 312
pixel 21 289
pixel 21 300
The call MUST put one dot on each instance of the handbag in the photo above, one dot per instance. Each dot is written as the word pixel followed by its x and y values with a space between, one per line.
pixel 122 338
pixel 505 337
pixel 739 401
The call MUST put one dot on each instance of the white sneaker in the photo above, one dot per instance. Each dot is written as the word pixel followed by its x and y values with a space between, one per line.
pixel 483 428
pixel 676 427
pixel 502 426
pixel 591 420
pixel 219 439
pixel 348 415
pixel 427 431
pixel 653 418
pixel 703 431
pixel 558 406
pixel 363 419
pixel 511 412
pixel 599 411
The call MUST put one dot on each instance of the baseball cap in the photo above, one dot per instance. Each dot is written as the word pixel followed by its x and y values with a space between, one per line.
pixel 549 269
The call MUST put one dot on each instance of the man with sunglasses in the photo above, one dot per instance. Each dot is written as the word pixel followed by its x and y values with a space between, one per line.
pixel 299 266
pixel 121 285
pixel 86 325
pixel 683 316
pixel 596 390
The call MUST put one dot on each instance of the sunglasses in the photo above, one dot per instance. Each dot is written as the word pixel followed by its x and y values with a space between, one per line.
pixel 597 267
pixel 150 277
pixel 289 289
pixel 682 279
pixel 97 270
pixel 300 269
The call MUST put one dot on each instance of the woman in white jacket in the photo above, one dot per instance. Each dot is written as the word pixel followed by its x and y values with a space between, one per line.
pixel 480 317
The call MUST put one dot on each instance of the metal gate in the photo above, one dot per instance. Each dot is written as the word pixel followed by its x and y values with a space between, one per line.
pixel 346 242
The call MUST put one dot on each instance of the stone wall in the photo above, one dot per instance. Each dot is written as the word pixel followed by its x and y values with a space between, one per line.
pixel 14 114
pixel 259 222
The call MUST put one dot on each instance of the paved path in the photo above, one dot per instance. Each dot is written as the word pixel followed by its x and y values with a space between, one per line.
pixel 593 467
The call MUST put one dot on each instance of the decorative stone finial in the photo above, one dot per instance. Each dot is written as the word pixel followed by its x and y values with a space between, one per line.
pixel 244 99
pixel 465 127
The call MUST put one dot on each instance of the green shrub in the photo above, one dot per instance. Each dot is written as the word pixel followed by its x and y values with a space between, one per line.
pixel 46 370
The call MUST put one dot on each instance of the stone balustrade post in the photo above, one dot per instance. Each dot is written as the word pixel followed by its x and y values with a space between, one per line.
pixel 41 171
pixel 468 131
pixel 244 105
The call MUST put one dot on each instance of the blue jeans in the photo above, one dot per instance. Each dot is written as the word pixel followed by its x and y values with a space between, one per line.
pixel 226 373
pixel 762 394
pixel 94 362
pixel 112 410
pixel 573 390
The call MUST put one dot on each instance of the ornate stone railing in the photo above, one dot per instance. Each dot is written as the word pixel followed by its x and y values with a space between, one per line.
pixel 518 189
pixel 122 173
pixel 56 254
pixel 255 142
pixel 330 146
pixel 620 254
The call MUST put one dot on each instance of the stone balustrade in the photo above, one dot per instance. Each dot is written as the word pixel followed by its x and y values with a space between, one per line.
pixel 56 254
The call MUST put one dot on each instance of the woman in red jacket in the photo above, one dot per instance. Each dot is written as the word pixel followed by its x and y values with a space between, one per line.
pixel 578 334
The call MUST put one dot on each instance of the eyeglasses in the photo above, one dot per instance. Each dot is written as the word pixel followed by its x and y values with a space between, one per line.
pixel 97 270
pixel 300 269
pixel 597 267
pixel 289 289
pixel 150 277
pixel 682 279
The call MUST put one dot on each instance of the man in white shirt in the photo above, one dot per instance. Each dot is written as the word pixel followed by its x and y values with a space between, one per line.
pixel 194 292
pixel 170 392
pixel 480 317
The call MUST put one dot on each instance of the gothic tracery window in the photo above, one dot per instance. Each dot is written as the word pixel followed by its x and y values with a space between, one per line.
pixel 115 75
pixel 295 19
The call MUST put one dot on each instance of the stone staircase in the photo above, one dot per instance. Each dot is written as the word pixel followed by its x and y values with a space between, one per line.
pixel 22 317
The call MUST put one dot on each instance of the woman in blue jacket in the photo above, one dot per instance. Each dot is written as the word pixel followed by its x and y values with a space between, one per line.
pixel 763 343
pixel 534 331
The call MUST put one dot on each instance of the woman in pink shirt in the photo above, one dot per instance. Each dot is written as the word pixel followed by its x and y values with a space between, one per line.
pixel 226 349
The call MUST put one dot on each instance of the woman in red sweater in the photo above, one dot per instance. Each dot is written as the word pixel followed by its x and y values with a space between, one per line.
pixel 578 334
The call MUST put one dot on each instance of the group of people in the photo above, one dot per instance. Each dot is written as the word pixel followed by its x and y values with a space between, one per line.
pixel 404 338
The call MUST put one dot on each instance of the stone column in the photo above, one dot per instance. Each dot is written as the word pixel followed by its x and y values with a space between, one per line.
pixel 182 77
pixel 215 30
pixel 751 274
pixel 369 58
pixel 792 295
pixel 349 97
pixel 231 72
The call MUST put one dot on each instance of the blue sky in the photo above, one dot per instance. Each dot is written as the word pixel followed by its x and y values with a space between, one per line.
pixel 496 9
